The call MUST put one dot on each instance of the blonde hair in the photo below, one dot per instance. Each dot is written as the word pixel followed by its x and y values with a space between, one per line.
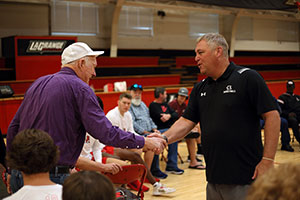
pixel 279 183
pixel 214 40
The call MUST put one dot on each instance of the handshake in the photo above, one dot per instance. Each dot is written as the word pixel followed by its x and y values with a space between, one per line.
pixel 156 142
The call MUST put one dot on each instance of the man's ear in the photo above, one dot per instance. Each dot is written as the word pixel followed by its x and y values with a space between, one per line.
pixel 81 62
pixel 219 51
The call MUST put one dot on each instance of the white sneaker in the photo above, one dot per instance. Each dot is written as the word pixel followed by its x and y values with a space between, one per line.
pixel 160 189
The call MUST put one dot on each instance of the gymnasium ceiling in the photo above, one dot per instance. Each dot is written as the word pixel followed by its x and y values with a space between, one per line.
pixel 251 4
pixel 248 4
pixel 289 8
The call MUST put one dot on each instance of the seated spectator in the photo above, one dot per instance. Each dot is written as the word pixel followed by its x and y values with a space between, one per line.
pixel 34 153
pixel 88 185
pixel 285 134
pixel 164 116
pixel 179 105
pixel 121 117
pixel 91 158
pixel 92 150
pixel 279 183
pixel 290 105
pixel 142 122
pixel 284 129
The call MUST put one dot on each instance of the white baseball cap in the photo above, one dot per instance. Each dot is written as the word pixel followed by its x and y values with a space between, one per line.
pixel 76 51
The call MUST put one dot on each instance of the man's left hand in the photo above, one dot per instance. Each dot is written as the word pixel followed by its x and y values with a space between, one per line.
pixel 262 167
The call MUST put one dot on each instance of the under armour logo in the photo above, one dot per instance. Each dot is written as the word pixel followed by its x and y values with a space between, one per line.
pixel 229 89
pixel 203 94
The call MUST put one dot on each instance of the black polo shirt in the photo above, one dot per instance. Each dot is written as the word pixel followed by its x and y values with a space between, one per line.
pixel 229 110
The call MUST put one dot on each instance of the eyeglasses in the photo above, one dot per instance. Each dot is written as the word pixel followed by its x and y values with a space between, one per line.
pixel 137 86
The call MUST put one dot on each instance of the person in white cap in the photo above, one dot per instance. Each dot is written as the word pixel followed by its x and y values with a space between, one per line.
pixel 63 105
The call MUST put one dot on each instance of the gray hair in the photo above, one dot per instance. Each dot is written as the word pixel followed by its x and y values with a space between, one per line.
pixel 75 61
pixel 213 40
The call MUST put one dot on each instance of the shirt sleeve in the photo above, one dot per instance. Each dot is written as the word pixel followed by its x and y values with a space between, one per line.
pixel 152 124
pixel 130 124
pixel 86 149
pixel 98 126
pixel 155 111
pixel 192 111
pixel 139 129
pixel 112 118
pixel 13 129
pixel 258 92
pixel 284 107
pixel 97 150
pixel 174 114
pixel 172 105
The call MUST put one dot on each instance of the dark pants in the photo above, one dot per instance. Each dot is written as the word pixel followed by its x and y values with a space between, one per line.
pixel 16 179
pixel 284 129
pixel 172 157
pixel 226 192
pixel 294 124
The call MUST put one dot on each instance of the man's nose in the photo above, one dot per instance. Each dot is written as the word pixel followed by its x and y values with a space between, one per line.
pixel 94 72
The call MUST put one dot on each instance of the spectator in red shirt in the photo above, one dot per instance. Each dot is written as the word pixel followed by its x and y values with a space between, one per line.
pixel 179 105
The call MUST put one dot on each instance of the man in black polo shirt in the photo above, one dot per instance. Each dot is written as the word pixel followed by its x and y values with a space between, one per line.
pixel 228 104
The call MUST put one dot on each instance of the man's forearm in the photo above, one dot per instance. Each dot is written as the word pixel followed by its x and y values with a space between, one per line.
pixel 179 129
pixel 271 134
pixel 87 164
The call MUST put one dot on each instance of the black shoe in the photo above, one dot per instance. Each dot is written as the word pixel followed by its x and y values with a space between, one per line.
pixel 287 147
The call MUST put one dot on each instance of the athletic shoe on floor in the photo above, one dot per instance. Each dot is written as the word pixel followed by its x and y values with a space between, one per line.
pixel 160 189
pixel 287 147
pixel 135 185
pixel 159 175
pixel 176 171
pixel 147 181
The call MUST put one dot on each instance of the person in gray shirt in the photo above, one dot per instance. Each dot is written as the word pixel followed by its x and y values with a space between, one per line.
pixel 142 122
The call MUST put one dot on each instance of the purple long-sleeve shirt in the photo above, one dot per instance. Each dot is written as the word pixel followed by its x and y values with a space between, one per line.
pixel 66 107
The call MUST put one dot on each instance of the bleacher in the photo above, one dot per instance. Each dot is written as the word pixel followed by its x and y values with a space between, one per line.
pixel 150 72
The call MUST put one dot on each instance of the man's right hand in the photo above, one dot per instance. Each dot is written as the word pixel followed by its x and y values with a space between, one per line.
pixel 112 168
pixel 165 117
pixel 155 144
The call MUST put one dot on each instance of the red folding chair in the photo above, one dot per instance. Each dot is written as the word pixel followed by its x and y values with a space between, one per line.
pixel 129 174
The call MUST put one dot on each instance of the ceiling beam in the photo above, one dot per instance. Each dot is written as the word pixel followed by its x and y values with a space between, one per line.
pixel 115 28
pixel 263 14
pixel 176 7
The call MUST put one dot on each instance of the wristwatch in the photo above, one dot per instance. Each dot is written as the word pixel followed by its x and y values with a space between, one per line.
pixel 165 137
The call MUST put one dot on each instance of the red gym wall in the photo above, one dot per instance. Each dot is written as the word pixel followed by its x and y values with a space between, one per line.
pixel 31 63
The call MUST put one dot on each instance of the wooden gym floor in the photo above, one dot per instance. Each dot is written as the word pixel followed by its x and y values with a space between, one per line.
pixel 192 183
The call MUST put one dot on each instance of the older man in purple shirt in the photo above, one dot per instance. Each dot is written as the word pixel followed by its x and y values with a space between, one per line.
pixel 64 105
